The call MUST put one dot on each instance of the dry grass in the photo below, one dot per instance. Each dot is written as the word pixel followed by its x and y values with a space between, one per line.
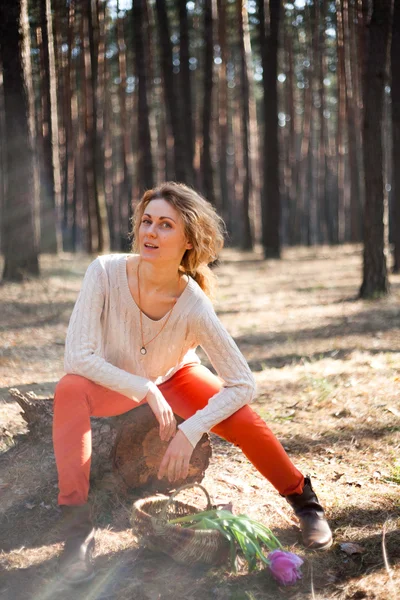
pixel 328 372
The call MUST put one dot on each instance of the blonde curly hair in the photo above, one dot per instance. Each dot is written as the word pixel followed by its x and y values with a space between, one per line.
pixel 204 229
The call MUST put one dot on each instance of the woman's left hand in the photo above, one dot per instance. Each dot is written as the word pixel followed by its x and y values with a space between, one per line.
pixel 175 463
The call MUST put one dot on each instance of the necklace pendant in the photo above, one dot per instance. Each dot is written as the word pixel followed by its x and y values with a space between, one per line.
pixel 143 350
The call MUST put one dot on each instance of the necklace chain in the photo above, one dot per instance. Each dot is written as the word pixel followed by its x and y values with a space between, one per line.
pixel 144 344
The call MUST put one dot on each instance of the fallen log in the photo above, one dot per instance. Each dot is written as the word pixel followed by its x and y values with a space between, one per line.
pixel 126 450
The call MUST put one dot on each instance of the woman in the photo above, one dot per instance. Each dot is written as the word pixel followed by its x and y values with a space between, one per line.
pixel 132 339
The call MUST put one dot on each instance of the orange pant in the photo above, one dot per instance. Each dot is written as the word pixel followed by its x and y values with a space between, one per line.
pixel 77 399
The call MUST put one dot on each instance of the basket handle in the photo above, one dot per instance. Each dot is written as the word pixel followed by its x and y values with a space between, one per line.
pixel 163 512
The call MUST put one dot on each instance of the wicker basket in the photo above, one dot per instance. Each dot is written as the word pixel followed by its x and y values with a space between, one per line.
pixel 150 523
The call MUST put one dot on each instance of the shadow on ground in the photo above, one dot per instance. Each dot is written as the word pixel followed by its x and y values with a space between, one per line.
pixel 140 574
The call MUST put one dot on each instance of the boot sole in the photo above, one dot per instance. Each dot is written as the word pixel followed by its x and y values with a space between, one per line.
pixel 317 548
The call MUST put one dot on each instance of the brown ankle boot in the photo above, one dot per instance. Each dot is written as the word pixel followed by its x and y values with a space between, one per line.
pixel 314 527
pixel 76 561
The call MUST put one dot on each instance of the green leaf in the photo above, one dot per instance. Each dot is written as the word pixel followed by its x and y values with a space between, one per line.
pixel 241 531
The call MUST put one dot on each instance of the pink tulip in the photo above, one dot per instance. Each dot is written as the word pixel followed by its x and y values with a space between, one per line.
pixel 285 566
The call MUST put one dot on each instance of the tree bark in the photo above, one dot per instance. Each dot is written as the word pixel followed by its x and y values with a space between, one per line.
pixel 186 85
pixel 323 226
pixel 122 183
pixel 51 177
pixel 69 224
pixel 353 121
pixel 172 97
pixel 86 175
pixel 270 194
pixel 291 164
pixel 2 160
pixel 21 195
pixel 145 177
pixel 223 114
pixel 304 191
pixel 314 163
pixel 375 280
pixel 95 121
pixel 341 122
pixel 206 162
pixel 395 91
pixel 244 42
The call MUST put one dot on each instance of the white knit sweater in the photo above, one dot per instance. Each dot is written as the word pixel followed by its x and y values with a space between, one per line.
pixel 103 344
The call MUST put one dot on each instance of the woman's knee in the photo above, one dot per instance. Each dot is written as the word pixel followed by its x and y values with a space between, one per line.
pixel 243 423
pixel 71 386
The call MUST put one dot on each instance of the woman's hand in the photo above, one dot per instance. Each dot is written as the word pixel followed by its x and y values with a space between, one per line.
pixel 175 463
pixel 163 413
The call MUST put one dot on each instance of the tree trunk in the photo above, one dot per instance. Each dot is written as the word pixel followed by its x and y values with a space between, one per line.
pixel 270 195
pixel 51 177
pixel 145 177
pixel 395 90
pixel 353 120
pixel 110 193
pixel 21 195
pixel 244 50
pixel 70 120
pixel 292 136
pixel 304 191
pixel 361 32
pixel 95 121
pixel 206 162
pixel 2 160
pixel 315 165
pixel 223 115
pixel 375 281
pixel 323 223
pixel 237 177
pixel 127 449
pixel 122 195
pixel 86 175
pixel 364 19
pixel 172 97
pixel 341 122
pixel 186 86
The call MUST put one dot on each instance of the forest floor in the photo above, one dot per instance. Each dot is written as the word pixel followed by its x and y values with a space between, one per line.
pixel 328 372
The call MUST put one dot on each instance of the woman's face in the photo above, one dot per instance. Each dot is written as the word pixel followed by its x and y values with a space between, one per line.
pixel 162 233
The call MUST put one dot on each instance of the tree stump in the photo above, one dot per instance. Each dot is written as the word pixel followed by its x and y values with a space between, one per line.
pixel 126 450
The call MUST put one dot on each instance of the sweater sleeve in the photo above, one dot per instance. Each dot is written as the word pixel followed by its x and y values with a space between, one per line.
pixel 84 340
pixel 239 385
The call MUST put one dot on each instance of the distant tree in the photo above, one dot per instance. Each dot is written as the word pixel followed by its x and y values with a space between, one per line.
pixel 341 125
pixel 145 174
pixel 395 89
pixel 244 51
pixel 322 168
pixel 304 192
pixel 269 17
pixel 94 82
pixel 186 82
pixel 223 113
pixel 172 97
pixel 290 166
pixel 353 122
pixel 71 162
pixel 375 280
pixel 121 168
pixel 21 192
pixel 2 156
pixel 50 168
pixel 206 162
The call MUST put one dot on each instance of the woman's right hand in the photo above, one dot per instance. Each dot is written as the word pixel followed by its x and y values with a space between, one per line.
pixel 163 413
